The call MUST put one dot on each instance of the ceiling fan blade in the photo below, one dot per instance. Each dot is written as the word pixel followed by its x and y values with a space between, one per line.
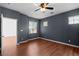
pixel 37 9
pixel 51 8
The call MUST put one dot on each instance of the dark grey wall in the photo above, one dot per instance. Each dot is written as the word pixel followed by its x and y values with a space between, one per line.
pixel 58 28
pixel 22 24
pixel 0 27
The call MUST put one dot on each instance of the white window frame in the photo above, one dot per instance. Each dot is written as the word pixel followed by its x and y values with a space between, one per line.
pixel 45 23
pixel 32 25
pixel 73 19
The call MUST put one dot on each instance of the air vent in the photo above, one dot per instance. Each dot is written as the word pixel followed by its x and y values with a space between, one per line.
pixel 51 12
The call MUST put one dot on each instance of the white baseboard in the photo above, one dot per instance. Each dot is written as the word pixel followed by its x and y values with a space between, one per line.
pixel 27 40
pixel 59 42
pixel 48 40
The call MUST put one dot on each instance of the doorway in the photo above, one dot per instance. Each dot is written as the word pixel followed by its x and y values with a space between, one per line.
pixel 9 35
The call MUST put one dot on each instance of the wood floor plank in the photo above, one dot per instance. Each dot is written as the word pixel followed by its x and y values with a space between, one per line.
pixel 40 47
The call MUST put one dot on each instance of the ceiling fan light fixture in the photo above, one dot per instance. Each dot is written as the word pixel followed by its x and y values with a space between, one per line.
pixel 43 9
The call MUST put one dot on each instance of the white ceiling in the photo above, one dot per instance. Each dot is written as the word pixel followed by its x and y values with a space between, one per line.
pixel 28 8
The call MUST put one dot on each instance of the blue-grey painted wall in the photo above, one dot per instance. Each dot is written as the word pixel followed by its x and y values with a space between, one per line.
pixel 0 28
pixel 22 24
pixel 58 28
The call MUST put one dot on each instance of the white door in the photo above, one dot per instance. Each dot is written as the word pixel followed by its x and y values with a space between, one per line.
pixel 9 35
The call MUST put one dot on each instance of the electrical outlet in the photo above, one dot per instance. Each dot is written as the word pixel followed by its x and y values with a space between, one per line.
pixel 21 38
pixel 69 40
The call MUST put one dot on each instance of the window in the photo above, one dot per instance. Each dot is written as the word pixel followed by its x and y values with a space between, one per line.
pixel 32 27
pixel 74 20
pixel 45 23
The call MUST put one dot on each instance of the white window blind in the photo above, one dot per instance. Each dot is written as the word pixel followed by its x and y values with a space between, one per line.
pixel 32 27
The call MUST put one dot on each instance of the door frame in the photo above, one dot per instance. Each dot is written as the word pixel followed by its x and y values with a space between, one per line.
pixel 1 31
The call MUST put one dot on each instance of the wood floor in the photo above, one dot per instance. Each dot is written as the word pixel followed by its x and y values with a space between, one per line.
pixel 40 47
pixel 0 52
pixel 9 45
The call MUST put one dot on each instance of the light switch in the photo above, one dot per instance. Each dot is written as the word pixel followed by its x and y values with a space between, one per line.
pixel 21 30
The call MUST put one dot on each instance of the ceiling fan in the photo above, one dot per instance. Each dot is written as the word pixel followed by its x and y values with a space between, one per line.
pixel 43 7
